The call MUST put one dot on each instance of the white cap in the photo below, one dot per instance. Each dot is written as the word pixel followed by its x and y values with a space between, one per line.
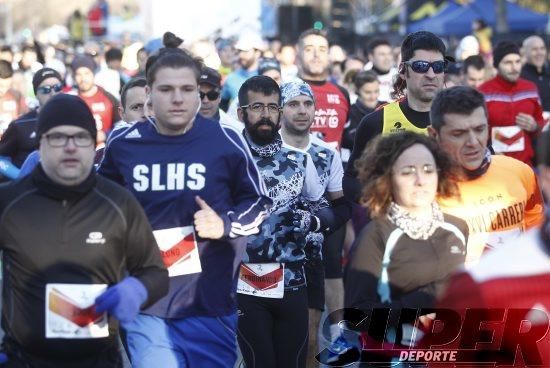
pixel 468 46
pixel 249 41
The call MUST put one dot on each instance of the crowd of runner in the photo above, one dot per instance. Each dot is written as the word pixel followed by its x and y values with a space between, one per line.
pixel 207 202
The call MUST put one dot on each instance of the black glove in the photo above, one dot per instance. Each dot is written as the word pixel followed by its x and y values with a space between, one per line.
pixel 314 245
pixel 304 222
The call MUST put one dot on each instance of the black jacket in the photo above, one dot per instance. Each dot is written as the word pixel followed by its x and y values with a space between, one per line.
pixel 95 233
pixel 19 140
pixel 542 80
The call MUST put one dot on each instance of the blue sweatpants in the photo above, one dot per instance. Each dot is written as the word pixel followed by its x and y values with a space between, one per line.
pixel 182 343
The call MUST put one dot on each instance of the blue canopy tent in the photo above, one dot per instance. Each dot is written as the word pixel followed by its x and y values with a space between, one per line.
pixel 455 19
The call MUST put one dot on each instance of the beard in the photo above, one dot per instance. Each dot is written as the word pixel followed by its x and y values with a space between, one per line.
pixel 261 136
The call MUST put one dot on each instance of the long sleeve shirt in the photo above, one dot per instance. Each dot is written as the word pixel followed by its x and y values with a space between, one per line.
pixel 505 100
pixel 165 173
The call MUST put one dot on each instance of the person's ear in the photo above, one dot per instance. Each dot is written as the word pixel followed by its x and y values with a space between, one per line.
pixel 432 132
pixel 240 114
pixel 401 69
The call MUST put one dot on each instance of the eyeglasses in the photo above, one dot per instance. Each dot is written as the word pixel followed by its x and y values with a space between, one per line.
pixel 412 170
pixel 46 90
pixel 211 95
pixel 421 66
pixel 258 108
pixel 82 139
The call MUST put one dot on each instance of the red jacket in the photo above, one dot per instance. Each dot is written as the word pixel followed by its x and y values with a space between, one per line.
pixel 504 101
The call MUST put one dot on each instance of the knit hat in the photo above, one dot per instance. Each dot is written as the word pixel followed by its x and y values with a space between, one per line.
pixel 43 74
pixel 502 49
pixel 65 109
pixel 294 89
pixel 83 61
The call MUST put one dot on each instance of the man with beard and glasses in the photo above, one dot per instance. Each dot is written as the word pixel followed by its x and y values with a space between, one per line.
pixel 513 103
pixel 499 196
pixel 272 296
pixel 421 76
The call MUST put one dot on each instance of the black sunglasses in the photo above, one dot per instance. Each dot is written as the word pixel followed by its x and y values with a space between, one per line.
pixel 46 90
pixel 421 66
pixel 212 95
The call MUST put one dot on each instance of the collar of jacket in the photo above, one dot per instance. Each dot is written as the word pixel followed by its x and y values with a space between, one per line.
pixel 48 187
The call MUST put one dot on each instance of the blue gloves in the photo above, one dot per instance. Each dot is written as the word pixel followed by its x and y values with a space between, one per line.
pixel 123 300
pixel 8 169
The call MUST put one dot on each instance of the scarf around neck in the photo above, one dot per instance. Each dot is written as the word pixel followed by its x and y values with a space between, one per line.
pixel 415 228
pixel 267 150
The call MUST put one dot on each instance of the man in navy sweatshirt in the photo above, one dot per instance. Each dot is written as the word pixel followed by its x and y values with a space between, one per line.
pixel 202 194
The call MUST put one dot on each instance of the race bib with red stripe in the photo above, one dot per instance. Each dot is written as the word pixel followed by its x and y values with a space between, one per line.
pixel 179 251
pixel 70 311
pixel 264 280
pixel 508 139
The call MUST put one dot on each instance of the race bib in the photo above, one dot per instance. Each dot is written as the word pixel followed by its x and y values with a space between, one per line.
pixel 265 280
pixel 508 139
pixel 498 238
pixel 483 242
pixel 179 250
pixel 70 311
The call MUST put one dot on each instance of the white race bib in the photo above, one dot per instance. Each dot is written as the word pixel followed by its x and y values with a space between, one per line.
pixel 70 311
pixel 179 250
pixel 487 241
pixel 508 139
pixel 499 238
pixel 265 280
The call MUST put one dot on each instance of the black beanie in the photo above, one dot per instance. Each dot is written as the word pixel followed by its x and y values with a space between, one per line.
pixel 43 74
pixel 64 109
pixel 502 49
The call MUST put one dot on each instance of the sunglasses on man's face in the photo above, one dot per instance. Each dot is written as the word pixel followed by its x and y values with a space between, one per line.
pixel 46 90
pixel 211 95
pixel 421 66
